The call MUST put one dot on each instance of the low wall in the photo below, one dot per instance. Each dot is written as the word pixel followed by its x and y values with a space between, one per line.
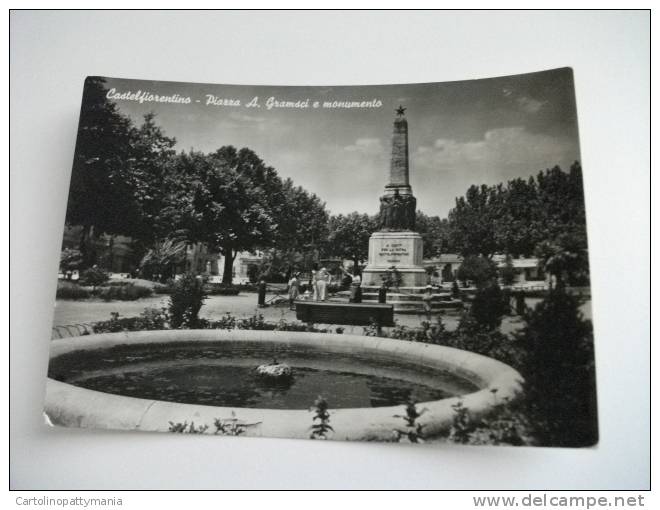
pixel 70 405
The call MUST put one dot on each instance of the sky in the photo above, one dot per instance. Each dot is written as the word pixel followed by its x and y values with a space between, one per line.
pixel 460 133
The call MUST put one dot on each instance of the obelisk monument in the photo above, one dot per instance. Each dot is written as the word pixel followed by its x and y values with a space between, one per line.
pixel 396 244
pixel 399 170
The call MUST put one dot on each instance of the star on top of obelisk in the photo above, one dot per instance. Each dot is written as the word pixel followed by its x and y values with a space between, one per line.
pixel 400 111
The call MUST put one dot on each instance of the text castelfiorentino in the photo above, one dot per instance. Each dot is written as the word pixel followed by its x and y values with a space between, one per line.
pixel 142 96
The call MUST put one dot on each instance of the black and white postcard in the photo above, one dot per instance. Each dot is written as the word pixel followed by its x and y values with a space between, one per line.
pixel 392 263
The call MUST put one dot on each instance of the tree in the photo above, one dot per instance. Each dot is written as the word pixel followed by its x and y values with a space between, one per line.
pixel 94 276
pixel 435 234
pixel 566 259
pixel 508 273
pixel 349 237
pixel 472 221
pixel 229 200
pixel 515 217
pixel 186 301
pixel 70 260
pixel 302 229
pixel 560 386
pixel 488 306
pixel 489 303
pixel 151 156
pixel 478 269
pixel 517 227
pixel 100 194
pixel 561 201
pixel 162 258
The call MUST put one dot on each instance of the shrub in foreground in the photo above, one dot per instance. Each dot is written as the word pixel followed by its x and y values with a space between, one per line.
pixel 94 277
pixel 150 319
pixel 558 368
pixel 186 300
pixel 72 291
pixel 128 292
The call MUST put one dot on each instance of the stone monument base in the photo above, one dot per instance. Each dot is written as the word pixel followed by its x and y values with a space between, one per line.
pixel 402 250
pixel 411 299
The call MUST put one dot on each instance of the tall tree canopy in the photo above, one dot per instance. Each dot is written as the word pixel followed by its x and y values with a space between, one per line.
pixel 349 236
pixel 152 153
pixel 100 194
pixel 117 181
pixel 558 367
pixel 514 218
pixel 128 180
pixel 472 221
pixel 302 229
pixel 435 234
pixel 229 200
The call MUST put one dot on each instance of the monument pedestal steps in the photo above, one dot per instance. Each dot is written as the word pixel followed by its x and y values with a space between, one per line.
pixel 408 299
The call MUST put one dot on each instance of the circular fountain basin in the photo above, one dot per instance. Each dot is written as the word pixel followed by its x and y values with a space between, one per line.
pixel 145 380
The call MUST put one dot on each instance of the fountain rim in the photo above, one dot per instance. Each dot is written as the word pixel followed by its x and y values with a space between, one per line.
pixel 70 405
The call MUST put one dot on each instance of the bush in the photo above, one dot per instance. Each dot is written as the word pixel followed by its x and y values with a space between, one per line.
pixel 71 291
pixel 321 427
pixel 506 424
pixel 128 292
pixel 257 322
pixel 283 325
pixel 559 373
pixel 228 321
pixel 508 272
pixel 94 276
pixel 470 336
pixel 428 333
pixel 222 289
pixel 153 319
pixel 70 260
pixel 488 306
pixel 149 320
pixel 186 301
pixel 480 270
pixel 413 430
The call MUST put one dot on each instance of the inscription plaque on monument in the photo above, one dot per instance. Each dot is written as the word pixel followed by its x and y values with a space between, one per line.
pixel 394 252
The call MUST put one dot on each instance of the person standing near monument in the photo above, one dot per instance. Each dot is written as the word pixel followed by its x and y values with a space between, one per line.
pixel 322 281
pixel 428 302
pixel 261 298
pixel 294 289
pixel 312 282
pixel 355 289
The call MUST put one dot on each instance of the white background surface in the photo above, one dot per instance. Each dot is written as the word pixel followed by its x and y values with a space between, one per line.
pixel 51 53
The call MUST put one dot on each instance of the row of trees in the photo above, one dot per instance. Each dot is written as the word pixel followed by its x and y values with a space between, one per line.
pixel 543 216
pixel 129 180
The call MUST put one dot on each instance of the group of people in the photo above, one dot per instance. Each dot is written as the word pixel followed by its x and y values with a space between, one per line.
pixel 318 286
pixel 318 283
